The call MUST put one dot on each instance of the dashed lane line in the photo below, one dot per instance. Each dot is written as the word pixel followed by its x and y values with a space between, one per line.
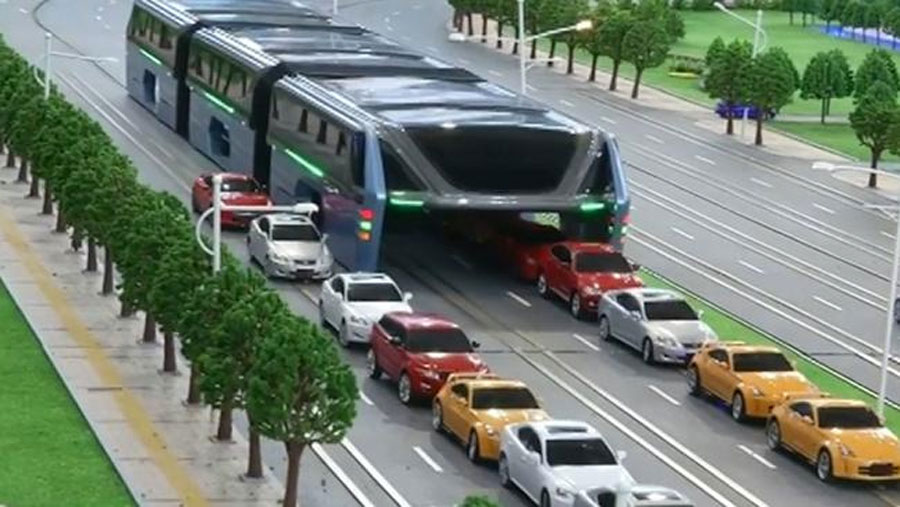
pixel 374 474
pixel 519 299
pixel 566 103
pixel 823 208
pixel 462 262
pixel 495 73
pixel 828 303
pixel 587 343
pixel 366 399
pixel 766 463
pixel 751 267
pixel 608 120
pixel 427 459
pixel 679 232
pixel 761 182
pixel 654 139
pixel 887 234
pixel 341 476
pixel 662 394
pixel 701 158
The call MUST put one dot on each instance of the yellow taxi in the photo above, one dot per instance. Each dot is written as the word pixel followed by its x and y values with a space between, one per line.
pixel 843 438
pixel 751 378
pixel 474 408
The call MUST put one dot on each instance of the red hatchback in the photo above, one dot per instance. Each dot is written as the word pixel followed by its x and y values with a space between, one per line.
pixel 580 273
pixel 237 189
pixel 419 351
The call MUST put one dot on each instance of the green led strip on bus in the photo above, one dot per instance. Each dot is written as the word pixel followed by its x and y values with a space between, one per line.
pixel 306 164
pixel 150 56
pixel 592 206
pixel 218 102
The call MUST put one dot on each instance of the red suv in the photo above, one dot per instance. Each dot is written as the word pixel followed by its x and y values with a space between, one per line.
pixel 581 272
pixel 520 245
pixel 419 351
pixel 237 189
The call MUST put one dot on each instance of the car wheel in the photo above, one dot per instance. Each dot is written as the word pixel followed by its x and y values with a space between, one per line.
pixel 372 365
pixel 647 351
pixel 738 411
pixel 404 389
pixel 575 306
pixel 437 417
pixel 268 268
pixel 323 323
pixel 605 328
pixel 503 471
pixel 195 205
pixel 472 451
pixel 344 335
pixel 693 378
pixel 773 434
pixel 545 499
pixel 542 287
pixel 897 311
pixel 823 466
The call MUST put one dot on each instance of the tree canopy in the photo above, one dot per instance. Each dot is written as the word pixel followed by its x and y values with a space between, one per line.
pixel 773 81
pixel 827 76
pixel 729 76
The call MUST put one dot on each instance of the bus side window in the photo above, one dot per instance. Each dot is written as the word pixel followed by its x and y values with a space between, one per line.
pixel 322 137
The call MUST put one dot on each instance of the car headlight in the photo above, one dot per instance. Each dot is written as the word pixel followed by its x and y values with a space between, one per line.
pixel 667 340
pixel 281 259
pixel 757 392
pixel 564 492
pixel 489 430
pixel 429 373
pixel 845 451
pixel 359 321
pixel 591 290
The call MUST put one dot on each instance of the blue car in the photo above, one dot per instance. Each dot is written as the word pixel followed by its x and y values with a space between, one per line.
pixel 737 111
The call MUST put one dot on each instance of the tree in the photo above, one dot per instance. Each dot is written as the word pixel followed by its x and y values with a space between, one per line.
pixel 826 12
pixel 873 19
pixel 850 14
pixel 790 6
pixel 836 11
pixel 873 120
pixel 773 82
pixel 892 25
pixel 567 13
pixel 591 40
pixel 300 392
pixel 714 51
pixel 478 501
pixel 827 76
pixel 878 65
pixel 646 45
pixel 672 22
pixel 729 76
pixel 612 36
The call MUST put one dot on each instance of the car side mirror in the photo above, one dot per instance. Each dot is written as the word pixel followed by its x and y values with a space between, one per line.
pixel 636 266
pixel 636 315
pixel 464 402
pixel 324 237
pixel 621 455
pixel 395 340
pixel 699 314
pixel 475 344
pixel 534 456
pixel 407 297
pixel 807 419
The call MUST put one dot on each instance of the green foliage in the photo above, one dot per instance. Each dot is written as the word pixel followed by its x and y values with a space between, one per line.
pixel 646 45
pixel 703 5
pixel 875 118
pixel 715 50
pixel 773 81
pixel 611 38
pixel 182 269
pixel 892 22
pixel 730 75
pixel 827 76
pixel 478 501
pixel 687 64
pixel 878 65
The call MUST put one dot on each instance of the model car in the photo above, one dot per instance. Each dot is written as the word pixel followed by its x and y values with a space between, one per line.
pixel 843 438
pixel 351 303
pixel 737 111
pixel 639 495
pixel 519 246
pixel 580 272
pixel 237 189
pixel 752 378
pixel 288 245
pixel 475 408
pixel 659 323
pixel 551 461
pixel 419 351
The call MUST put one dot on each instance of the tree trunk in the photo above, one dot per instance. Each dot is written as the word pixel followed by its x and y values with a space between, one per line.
pixel 637 83
pixel 193 396
pixel 224 432
pixel 729 122
pixel 828 106
pixel 34 191
pixel 471 26
pixel 484 30
pixel 593 76
pixel 873 177
pixel 894 41
pixel 457 19
pixel 254 459
pixel 571 68
pixel 61 224
pixel 759 122
pixel 77 240
pixel 515 49
pixel 615 75
pixel 827 25
pixel 791 17
pixel 23 170
pixel 169 352
pixel 10 159
pixel 48 199
pixel 803 18
pixel 552 52
pixel 108 271
pixel 499 35
pixel 864 34
pixel 294 450
pixel 534 44
pixel 91 255
pixel 149 329
pixel 127 310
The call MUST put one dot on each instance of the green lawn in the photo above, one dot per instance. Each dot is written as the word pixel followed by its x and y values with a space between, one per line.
pixel 730 329
pixel 836 136
pixel 50 455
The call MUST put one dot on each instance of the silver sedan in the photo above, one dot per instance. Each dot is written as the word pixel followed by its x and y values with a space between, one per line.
pixel 659 323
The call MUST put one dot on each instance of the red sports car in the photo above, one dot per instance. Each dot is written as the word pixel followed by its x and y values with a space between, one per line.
pixel 419 351
pixel 520 245
pixel 581 272
pixel 237 189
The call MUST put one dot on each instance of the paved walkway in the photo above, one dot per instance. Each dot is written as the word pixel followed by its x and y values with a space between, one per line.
pixel 161 448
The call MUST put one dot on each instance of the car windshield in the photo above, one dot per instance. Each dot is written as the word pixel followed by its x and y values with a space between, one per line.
pixel 848 417
pixel 370 292
pixel 503 397
pixel 761 361
pixel 669 310
pixel 581 452
pixel 239 185
pixel 294 232
pixel 593 262
pixel 437 340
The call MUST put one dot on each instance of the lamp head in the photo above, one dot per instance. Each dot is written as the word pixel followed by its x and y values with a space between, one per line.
pixel 823 166
pixel 720 6
pixel 583 25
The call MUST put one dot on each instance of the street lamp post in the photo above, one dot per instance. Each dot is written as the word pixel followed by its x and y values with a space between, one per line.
pixel 48 57
pixel 757 48
pixel 889 316
pixel 216 211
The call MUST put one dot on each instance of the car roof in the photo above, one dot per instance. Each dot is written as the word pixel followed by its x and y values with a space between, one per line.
pixel 419 320
pixel 367 278
pixel 743 348
pixel 820 402
pixel 564 429
pixel 288 218
pixel 584 247
pixel 492 383
pixel 652 294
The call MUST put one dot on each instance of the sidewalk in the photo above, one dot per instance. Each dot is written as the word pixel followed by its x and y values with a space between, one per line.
pixel 160 448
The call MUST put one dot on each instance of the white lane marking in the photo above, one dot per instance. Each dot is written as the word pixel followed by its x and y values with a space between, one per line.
pixel 823 208
pixel 342 476
pixel 366 399
pixel 828 303
pixel 530 88
pixel 768 464
pixel 107 27
pixel 390 28
pixel 566 103
pixel 887 234
pixel 387 19
pixel 108 104
pixel 679 232
pixel 586 342
pixel 418 6
pixel 518 298
pixel 751 267
pixel 23 10
pixel 654 139
pixel 462 262
pixel 664 395
pixel 761 182
pixel 427 459
pixel 375 474
pixel 100 8
pixel 701 158
pixel 165 167
pixel 495 73
pixel 98 18
pixel 432 49
pixel 608 120
pixel 395 13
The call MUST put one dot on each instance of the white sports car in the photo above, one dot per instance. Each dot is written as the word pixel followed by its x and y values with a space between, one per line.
pixel 352 302
pixel 289 245
pixel 552 461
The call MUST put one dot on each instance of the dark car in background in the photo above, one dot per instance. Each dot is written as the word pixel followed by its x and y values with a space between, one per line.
pixel 737 111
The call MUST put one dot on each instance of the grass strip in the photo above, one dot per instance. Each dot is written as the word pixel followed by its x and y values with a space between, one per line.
pixel 730 327
pixel 50 455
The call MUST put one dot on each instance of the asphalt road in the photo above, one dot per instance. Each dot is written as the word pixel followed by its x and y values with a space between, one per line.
pixel 671 438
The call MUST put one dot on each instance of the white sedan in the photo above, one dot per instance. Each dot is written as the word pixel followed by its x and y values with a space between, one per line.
pixel 288 245
pixel 551 461
pixel 352 302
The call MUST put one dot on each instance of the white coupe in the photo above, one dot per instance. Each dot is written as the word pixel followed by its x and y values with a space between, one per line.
pixel 289 245
pixel 351 303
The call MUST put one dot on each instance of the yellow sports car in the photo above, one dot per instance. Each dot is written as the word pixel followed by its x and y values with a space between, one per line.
pixel 474 407
pixel 752 378
pixel 843 438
